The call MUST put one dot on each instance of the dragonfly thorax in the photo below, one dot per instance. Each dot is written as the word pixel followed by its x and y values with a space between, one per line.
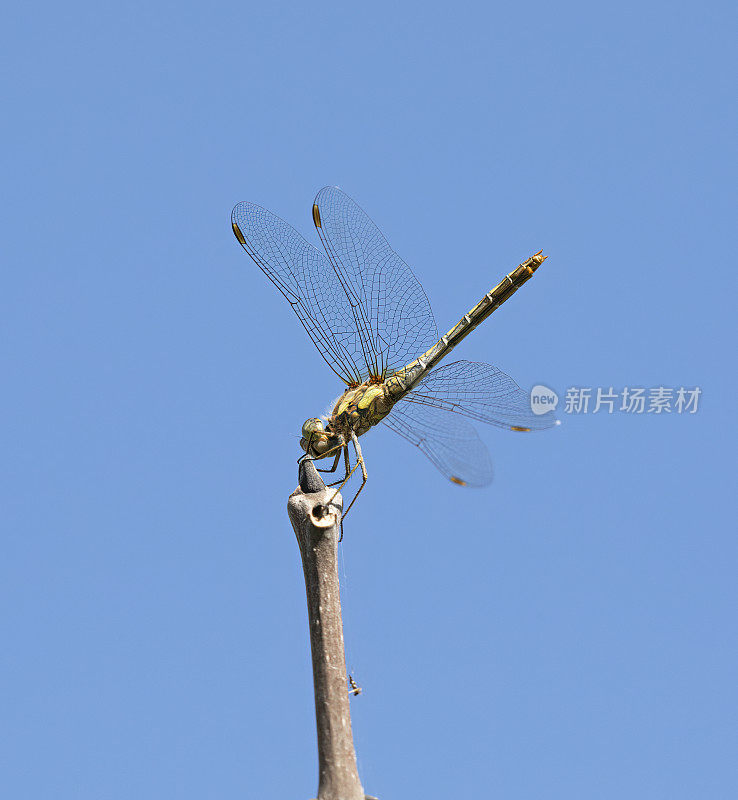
pixel 361 407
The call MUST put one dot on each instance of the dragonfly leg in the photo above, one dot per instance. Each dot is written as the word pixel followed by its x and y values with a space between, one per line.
pixel 335 463
pixel 364 475
pixel 349 472
pixel 306 454
pixel 347 464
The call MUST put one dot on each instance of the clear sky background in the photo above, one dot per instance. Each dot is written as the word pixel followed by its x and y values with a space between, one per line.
pixel 569 632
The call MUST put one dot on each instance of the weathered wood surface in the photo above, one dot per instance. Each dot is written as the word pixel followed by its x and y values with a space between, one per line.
pixel 317 528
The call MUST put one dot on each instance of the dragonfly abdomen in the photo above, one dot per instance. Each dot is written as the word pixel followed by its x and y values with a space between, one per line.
pixel 409 376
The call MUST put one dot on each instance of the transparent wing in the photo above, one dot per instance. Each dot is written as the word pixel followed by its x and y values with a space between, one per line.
pixel 481 392
pixel 449 441
pixel 392 313
pixel 306 278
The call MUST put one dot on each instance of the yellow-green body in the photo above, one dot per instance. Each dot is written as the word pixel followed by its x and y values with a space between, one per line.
pixel 362 407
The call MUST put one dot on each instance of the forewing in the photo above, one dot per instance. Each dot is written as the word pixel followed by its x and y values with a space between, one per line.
pixel 481 392
pixel 306 278
pixel 392 312
pixel 448 440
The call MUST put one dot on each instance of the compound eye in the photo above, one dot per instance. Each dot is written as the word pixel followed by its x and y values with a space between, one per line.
pixel 311 427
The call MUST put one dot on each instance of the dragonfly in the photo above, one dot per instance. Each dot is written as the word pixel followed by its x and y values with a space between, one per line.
pixel 371 321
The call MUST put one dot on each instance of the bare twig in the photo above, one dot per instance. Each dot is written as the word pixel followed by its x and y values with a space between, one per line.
pixel 315 515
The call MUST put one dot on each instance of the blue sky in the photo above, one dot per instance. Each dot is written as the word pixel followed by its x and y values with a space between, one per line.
pixel 568 632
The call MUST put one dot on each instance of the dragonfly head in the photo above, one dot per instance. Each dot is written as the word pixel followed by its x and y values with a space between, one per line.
pixel 316 440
